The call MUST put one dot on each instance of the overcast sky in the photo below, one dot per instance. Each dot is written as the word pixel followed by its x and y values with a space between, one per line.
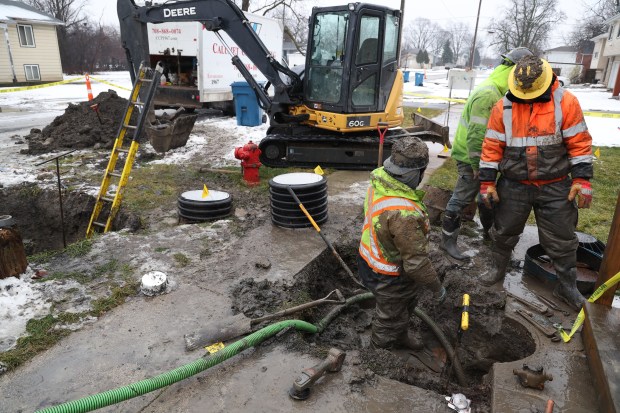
pixel 442 12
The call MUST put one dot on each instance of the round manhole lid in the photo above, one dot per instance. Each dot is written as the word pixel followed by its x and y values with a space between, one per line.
pixel 298 178
pixel 212 197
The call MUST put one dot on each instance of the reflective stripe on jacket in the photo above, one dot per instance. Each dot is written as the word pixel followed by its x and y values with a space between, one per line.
pixel 538 142
pixel 395 238
pixel 370 247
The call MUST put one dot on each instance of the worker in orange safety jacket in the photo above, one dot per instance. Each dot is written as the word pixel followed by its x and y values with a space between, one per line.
pixel 536 137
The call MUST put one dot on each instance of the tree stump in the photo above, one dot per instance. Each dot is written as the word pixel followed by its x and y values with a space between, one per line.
pixel 12 255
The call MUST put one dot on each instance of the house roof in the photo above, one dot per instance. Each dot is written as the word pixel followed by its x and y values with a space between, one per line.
pixel 570 49
pixel 599 37
pixel 612 19
pixel 18 12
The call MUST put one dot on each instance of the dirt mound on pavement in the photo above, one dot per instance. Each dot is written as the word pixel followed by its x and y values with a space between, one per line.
pixel 80 127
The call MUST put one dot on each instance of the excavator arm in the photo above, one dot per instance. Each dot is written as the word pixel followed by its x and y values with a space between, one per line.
pixel 215 15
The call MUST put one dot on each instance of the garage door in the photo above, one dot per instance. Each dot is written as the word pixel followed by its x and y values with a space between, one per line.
pixel 613 75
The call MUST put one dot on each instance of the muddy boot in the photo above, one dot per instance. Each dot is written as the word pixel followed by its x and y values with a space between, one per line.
pixel 451 225
pixel 486 219
pixel 411 341
pixel 498 269
pixel 566 290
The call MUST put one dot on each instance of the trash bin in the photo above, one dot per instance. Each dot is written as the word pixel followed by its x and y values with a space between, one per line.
pixel 419 79
pixel 406 76
pixel 248 111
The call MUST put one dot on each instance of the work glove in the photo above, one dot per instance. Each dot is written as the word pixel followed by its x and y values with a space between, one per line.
pixel 488 193
pixel 582 189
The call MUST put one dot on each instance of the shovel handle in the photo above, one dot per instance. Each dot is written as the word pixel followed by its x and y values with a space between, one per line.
pixel 301 307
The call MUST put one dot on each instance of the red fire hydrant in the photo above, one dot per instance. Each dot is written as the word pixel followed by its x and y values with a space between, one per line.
pixel 250 163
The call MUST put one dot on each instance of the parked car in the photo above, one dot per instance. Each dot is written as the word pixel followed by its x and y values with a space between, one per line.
pixel 564 81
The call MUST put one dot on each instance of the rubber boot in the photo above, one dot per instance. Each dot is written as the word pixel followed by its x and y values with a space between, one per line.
pixel 486 219
pixel 566 290
pixel 498 270
pixel 451 225
pixel 411 341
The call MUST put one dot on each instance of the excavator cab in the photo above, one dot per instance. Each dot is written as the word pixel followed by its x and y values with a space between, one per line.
pixel 351 64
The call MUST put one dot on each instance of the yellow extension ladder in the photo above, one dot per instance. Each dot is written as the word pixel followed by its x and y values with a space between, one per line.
pixel 108 204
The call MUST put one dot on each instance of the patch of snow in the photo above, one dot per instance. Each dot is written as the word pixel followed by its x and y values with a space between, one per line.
pixel 20 300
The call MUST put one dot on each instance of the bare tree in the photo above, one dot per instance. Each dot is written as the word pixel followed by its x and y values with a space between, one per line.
pixel 592 24
pixel 460 40
pixel 419 34
pixel 438 41
pixel 68 11
pixel 526 23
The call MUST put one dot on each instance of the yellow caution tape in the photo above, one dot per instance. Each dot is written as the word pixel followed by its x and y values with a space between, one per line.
pixel 205 191
pixel 109 83
pixel 214 348
pixel 602 114
pixel 319 171
pixel 20 89
pixel 595 296
pixel 422 95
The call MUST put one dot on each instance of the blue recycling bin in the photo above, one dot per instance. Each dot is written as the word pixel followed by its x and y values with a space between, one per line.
pixel 406 76
pixel 419 79
pixel 249 113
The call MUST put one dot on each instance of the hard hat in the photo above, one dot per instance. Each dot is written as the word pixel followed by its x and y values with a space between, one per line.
pixel 516 54
pixel 408 154
pixel 530 77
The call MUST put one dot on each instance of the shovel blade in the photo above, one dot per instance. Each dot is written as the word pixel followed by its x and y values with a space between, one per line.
pixel 219 331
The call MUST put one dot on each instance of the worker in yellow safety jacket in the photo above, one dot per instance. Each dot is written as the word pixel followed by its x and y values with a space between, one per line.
pixel 393 254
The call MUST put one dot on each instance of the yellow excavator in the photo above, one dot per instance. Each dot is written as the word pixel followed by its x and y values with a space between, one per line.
pixel 325 113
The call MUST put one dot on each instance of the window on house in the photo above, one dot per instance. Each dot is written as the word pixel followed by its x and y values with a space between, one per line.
pixel 611 31
pixel 596 55
pixel 26 35
pixel 32 72
pixel 618 34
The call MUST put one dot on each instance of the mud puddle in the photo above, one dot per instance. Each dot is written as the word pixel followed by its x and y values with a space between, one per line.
pixel 491 337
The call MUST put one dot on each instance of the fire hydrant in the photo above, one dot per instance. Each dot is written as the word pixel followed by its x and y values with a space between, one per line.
pixel 250 163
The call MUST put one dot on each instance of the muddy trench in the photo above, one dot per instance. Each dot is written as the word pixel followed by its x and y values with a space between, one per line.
pixel 491 337
pixel 37 216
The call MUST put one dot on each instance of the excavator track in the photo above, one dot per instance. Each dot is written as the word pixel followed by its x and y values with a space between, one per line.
pixel 302 147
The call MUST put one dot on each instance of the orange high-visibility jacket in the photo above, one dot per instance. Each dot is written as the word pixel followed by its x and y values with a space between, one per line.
pixel 538 142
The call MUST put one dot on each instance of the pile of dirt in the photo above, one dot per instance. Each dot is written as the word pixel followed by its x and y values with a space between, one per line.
pixel 83 125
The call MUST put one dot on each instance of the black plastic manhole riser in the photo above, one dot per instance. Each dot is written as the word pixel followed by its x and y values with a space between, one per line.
pixel 310 188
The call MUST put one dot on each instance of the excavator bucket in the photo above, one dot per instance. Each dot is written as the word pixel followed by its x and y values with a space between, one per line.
pixel 429 130
pixel 167 133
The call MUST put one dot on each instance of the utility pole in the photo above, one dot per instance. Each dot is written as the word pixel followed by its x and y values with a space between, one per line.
pixel 473 45
pixel 400 29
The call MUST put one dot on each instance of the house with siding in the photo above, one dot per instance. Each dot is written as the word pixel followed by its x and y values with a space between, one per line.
pixel 29 51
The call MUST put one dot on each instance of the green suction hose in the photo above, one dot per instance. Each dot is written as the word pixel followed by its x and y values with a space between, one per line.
pixel 107 398
pixel 120 394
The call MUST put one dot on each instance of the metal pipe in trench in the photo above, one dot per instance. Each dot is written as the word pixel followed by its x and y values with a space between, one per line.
pixel 110 397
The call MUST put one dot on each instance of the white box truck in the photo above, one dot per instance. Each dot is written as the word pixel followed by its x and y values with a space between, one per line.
pixel 197 67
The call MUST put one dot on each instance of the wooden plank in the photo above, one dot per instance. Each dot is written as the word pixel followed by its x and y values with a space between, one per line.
pixel 611 259
pixel 12 255
pixel 602 346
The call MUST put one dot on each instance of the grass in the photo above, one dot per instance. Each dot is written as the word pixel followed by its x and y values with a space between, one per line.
pixel 77 249
pixel 429 113
pixel 595 221
pixel 43 333
pixel 181 259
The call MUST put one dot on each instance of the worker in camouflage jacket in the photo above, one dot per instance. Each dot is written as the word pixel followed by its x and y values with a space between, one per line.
pixel 538 140
pixel 393 253
pixel 466 151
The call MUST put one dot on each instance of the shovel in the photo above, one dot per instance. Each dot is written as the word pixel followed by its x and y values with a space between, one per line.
pixel 239 324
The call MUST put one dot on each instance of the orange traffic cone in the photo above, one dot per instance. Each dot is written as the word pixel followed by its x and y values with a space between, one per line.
pixel 88 88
